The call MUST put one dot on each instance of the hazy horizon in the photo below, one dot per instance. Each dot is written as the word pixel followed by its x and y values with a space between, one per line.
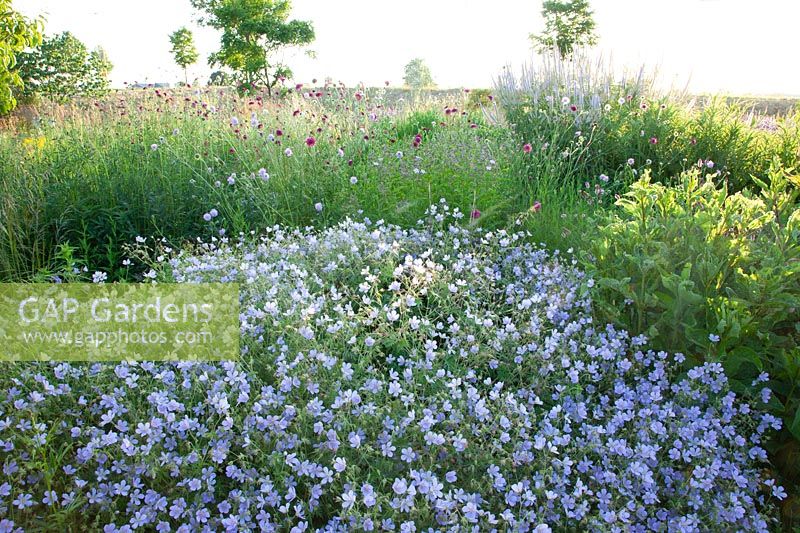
pixel 464 44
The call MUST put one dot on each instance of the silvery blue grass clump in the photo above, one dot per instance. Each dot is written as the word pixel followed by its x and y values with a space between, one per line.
pixel 440 378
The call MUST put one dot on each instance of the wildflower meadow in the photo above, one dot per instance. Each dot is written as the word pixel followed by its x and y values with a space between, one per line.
pixel 567 302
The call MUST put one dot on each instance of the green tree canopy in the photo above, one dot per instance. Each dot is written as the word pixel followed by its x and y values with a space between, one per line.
pixel 418 75
pixel 252 32
pixel 62 67
pixel 183 50
pixel 568 25
pixel 16 34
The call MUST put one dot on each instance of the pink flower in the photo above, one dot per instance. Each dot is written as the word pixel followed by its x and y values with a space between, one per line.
pixel 310 141
pixel 359 96
pixel 298 86
pixel 653 140
pixel 537 206
pixel 475 214
pixel 527 148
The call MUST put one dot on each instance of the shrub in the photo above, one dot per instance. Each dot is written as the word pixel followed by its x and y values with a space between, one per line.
pixel 62 68
pixel 712 275
pixel 400 379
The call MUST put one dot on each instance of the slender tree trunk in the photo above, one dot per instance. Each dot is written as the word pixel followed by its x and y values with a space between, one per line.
pixel 185 77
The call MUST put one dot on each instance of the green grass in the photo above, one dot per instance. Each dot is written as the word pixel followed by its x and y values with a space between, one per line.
pixel 95 183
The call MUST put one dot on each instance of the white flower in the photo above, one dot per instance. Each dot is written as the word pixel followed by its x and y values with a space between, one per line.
pixel 288 152
pixel 207 217
pixel 603 177
pixel 353 180
pixel 262 173
pixel 154 147
pixel 399 154
pixel 99 277
pixel 631 161
pixel 318 207
pixel 213 213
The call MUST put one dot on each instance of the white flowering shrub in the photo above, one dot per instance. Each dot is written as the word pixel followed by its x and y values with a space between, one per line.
pixel 398 380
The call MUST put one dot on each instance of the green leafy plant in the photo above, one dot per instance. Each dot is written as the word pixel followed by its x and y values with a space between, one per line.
pixel 712 275
pixel 16 34
pixel 568 25
pixel 418 75
pixel 183 50
pixel 253 31
pixel 62 68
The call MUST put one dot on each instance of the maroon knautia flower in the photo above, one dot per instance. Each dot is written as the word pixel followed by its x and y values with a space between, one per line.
pixel 537 206
pixel 278 133
pixel 527 148
pixel 573 108
pixel 310 141
pixel 653 140
pixel 475 214
pixel 298 86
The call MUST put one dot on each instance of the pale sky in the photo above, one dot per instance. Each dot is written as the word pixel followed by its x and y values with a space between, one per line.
pixel 718 46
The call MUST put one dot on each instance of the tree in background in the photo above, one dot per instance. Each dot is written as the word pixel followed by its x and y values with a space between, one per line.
pixel 568 25
pixel 183 50
pixel 62 67
pixel 253 31
pixel 418 75
pixel 16 34
pixel 220 78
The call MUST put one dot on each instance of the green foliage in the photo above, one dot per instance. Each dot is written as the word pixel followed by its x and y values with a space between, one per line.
pixel 95 183
pixel 16 34
pixel 418 75
pixel 659 134
pixel 62 68
pixel 220 78
pixel 183 50
pixel 712 275
pixel 478 99
pixel 568 25
pixel 253 31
